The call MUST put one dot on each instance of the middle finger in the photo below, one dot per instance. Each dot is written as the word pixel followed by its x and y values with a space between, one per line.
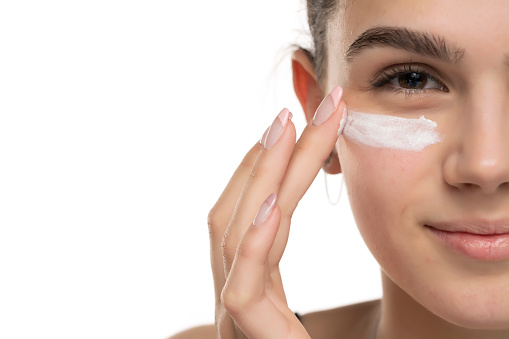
pixel 264 179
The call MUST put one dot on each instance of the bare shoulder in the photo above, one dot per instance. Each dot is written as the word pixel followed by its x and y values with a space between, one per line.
pixel 201 332
pixel 352 321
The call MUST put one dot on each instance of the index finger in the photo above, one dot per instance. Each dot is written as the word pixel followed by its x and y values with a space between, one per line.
pixel 311 151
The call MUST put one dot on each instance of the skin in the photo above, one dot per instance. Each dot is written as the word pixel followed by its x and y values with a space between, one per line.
pixel 466 175
pixel 430 291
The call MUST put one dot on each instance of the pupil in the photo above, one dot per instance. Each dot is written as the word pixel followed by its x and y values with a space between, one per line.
pixel 412 80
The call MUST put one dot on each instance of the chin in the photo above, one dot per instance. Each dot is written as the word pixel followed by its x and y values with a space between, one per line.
pixel 477 304
pixel 459 292
pixel 494 319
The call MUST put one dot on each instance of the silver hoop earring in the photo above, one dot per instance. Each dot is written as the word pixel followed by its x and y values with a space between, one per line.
pixel 335 202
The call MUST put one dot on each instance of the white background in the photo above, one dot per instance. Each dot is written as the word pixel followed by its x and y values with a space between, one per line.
pixel 120 124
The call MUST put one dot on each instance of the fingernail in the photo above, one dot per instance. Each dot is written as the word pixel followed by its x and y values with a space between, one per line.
pixel 342 123
pixel 265 210
pixel 328 106
pixel 274 132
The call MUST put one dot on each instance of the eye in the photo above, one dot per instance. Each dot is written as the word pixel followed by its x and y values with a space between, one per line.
pixel 407 78
pixel 414 80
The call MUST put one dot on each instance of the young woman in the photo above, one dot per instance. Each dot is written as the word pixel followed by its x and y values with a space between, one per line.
pixel 423 118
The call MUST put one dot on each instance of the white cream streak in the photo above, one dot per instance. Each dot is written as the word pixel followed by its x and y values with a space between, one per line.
pixel 385 131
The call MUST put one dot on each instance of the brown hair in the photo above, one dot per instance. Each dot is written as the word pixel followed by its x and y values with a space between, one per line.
pixel 319 14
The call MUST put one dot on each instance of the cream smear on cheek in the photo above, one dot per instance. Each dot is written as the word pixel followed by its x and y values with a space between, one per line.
pixel 386 131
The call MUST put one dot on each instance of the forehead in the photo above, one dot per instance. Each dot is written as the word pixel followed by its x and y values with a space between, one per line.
pixel 464 22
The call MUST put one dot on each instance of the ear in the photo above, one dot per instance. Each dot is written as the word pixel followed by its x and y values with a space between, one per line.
pixel 308 92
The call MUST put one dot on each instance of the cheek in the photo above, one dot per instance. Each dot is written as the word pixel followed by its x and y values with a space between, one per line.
pixel 391 193
pixel 385 188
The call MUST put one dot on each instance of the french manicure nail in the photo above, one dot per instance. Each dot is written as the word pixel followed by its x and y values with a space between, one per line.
pixel 274 132
pixel 265 210
pixel 328 106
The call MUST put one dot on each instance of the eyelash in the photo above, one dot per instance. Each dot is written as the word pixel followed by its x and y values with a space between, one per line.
pixel 385 77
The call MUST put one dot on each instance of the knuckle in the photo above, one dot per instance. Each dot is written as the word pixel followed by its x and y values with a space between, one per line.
pixel 286 217
pixel 216 221
pixel 213 219
pixel 261 169
pixel 247 163
pixel 235 302
pixel 245 249
pixel 303 145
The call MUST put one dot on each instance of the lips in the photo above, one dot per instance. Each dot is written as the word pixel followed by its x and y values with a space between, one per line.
pixel 477 239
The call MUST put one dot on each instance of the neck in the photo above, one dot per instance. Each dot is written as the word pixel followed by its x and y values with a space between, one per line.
pixel 403 317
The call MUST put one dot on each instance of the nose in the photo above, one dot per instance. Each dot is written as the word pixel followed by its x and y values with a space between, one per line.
pixel 479 160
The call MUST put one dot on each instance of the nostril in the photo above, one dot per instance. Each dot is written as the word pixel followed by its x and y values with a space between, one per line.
pixel 486 187
pixel 477 164
pixel 468 186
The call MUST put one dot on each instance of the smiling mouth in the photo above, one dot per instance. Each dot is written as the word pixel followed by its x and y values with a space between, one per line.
pixel 480 242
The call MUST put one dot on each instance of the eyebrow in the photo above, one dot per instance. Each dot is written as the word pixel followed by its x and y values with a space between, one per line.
pixel 417 42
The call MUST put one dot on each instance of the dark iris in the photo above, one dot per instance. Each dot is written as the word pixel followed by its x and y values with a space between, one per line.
pixel 412 80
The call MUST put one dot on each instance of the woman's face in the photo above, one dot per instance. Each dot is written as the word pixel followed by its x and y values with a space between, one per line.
pixel 452 66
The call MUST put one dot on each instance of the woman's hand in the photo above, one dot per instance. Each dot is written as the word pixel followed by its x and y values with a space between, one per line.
pixel 248 241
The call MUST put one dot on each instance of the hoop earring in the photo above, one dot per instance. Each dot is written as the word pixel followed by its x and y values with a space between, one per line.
pixel 335 202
